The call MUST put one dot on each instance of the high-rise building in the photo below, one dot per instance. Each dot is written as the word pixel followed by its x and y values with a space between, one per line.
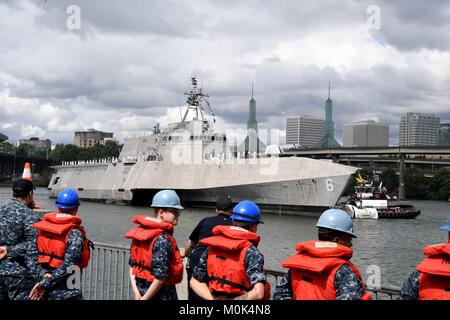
pixel 304 131
pixel 39 148
pixel 328 140
pixel 252 143
pixel 419 129
pixel 366 134
pixel 444 134
pixel 90 138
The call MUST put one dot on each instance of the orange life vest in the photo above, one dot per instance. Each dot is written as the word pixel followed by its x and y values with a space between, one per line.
pixel 54 230
pixel 314 267
pixel 434 280
pixel 226 266
pixel 141 250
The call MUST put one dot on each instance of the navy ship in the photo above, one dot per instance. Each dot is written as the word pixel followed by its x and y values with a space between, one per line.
pixel 192 158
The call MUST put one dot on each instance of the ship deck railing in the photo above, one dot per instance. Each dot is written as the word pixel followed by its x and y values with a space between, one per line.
pixel 107 277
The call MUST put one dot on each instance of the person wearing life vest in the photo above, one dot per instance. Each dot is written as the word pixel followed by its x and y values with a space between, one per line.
pixel 193 249
pixel 155 260
pixel 321 269
pixel 63 247
pixel 232 267
pixel 431 280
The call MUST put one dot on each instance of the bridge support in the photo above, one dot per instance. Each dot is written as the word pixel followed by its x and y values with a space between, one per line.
pixel 401 187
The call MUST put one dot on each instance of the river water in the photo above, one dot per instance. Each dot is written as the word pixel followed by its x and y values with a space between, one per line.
pixel 395 246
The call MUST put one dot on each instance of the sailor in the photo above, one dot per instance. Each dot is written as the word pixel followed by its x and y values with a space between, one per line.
pixel 431 280
pixel 64 250
pixel 321 270
pixel 193 249
pixel 156 265
pixel 18 251
pixel 232 267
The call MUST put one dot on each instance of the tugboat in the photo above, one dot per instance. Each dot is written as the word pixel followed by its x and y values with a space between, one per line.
pixel 371 202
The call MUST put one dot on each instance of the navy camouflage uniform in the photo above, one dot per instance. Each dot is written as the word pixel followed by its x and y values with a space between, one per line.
pixel 19 270
pixel 57 285
pixel 161 257
pixel 253 263
pixel 347 286
pixel 410 289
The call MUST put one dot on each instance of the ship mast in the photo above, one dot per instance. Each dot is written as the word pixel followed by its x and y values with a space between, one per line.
pixel 195 99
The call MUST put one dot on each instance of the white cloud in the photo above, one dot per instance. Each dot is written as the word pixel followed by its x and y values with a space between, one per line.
pixel 128 67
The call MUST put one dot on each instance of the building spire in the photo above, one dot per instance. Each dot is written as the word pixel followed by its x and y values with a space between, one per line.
pixel 329 86
pixel 252 90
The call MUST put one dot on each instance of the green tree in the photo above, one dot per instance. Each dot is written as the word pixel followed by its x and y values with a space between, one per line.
pixel 440 184
pixel 416 184
pixel 390 180
pixel 63 152
pixel 71 152
pixel 24 150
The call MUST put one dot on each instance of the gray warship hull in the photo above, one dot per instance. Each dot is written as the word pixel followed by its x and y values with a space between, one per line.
pixel 199 163
pixel 281 185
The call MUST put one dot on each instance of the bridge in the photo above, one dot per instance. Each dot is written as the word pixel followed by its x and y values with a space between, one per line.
pixel 11 165
pixel 427 158
pixel 382 151
pixel 3 137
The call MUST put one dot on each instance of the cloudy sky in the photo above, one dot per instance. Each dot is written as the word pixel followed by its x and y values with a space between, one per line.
pixel 127 66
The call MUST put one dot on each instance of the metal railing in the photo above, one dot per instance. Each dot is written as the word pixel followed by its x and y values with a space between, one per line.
pixel 107 277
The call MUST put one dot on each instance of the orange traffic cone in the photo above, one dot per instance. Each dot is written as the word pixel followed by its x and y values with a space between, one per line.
pixel 27 172
pixel 27 176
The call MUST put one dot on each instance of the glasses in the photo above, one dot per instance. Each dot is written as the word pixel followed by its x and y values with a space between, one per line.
pixel 175 212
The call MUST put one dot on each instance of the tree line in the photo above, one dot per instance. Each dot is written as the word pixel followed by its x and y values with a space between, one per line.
pixel 417 185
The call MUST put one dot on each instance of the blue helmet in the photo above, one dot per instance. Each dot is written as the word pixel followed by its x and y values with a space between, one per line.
pixel 336 219
pixel 67 199
pixel 447 227
pixel 246 211
pixel 166 199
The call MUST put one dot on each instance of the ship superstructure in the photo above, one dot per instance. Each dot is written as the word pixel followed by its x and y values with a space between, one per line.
pixel 197 162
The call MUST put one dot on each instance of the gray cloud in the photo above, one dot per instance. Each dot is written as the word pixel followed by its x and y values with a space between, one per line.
pixel 131 61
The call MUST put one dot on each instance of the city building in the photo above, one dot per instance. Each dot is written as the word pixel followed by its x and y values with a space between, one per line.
pixel 304 131
pixel 444 134
pixel 37 147
pixel 328 140
pixel 252 143
pixel 106 140
pixel 90 138
pixel 366 134
pixel 419 129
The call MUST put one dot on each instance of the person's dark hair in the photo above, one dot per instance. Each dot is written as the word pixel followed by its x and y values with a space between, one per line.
pixel 325 234
pixel 224 203
pixel 21 188
pixel 20 195
pixel 243 224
